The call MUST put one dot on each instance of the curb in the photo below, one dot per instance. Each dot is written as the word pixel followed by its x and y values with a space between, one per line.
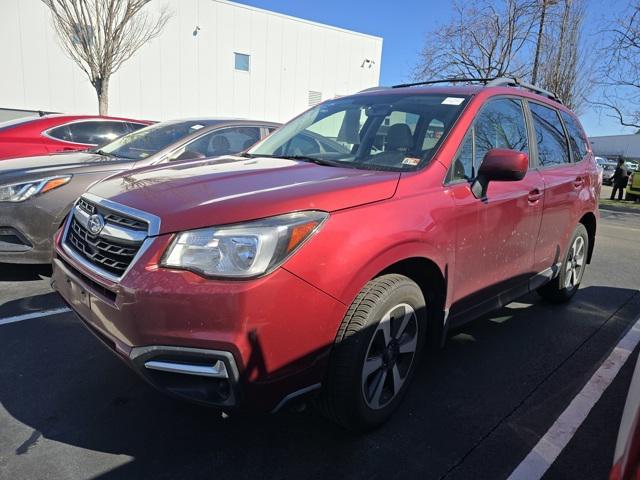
pixel 620 209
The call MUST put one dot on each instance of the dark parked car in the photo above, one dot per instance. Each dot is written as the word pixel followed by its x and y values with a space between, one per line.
pixel 293 269
pixel 29 136
pixel 36 193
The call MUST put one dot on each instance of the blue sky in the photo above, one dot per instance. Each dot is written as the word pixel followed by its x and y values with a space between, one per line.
pixel 404 26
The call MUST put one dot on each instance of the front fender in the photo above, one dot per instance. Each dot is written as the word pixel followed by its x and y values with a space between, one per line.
pixel 355 245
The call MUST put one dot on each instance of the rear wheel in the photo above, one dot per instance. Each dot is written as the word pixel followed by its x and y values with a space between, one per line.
pixel 566 283
pixel 375 354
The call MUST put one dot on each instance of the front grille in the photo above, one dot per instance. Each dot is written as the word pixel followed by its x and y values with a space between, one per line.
pixel 112 217
pixel 88 207
pixel 110 255
pixel 126 221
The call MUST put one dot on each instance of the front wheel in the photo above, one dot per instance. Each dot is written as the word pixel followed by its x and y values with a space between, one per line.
pixel 375 353
pixel 566 283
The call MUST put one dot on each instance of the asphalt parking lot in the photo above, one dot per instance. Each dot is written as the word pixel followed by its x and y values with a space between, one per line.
pixel 70 410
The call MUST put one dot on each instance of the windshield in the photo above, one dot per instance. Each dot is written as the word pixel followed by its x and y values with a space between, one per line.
pixel 149 140
pixel 378 131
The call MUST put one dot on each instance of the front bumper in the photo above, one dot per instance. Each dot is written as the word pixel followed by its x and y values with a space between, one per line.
pixel 26 231
pixel 272 335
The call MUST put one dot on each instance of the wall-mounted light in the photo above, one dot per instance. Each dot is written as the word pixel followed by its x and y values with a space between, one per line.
pixel 367 62
pixel 196 30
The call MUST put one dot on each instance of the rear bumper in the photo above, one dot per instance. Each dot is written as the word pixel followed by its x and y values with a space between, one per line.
pixel 231 344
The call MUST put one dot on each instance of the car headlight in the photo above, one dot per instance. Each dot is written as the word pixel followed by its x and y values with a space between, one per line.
pixel 19 192
pixel 244 250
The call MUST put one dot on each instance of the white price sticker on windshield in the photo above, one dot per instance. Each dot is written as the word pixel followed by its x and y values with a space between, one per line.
pixel 452 101
pixel 197 127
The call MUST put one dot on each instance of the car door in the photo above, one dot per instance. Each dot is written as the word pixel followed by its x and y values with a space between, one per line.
pixel 495 236
pixel 563 180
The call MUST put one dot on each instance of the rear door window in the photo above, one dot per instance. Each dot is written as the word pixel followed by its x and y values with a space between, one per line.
pixel 577 139
pixel 552 143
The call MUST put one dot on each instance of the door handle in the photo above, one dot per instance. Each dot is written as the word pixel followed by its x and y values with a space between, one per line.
pixel 578 182
pixel 534 195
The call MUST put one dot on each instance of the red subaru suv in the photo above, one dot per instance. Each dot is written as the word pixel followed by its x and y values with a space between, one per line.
pixel 327 258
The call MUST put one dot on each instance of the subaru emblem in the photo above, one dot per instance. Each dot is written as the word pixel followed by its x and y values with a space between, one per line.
pixel 95 224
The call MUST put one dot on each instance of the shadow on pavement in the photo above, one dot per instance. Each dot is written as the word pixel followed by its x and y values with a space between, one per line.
pixel 86 398
pixel 19 273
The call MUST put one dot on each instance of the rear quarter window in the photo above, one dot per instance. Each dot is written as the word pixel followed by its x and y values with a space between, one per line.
pixel 549 132
pixel 577 139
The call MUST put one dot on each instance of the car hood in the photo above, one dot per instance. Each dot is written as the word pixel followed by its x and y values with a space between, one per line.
pixel 58 164
pixel 196 194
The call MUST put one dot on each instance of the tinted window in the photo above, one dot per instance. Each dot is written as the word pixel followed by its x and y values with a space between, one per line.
pixel 225 141
pixel 90 133
pixel 552 143
pixel 577 139
pixel 500 124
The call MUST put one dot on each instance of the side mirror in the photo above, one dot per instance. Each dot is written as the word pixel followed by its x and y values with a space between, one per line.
pixel 187 155
pixel 499 165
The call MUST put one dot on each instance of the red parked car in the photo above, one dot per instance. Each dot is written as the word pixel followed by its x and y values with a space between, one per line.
pixel 29 136
pixel 329 267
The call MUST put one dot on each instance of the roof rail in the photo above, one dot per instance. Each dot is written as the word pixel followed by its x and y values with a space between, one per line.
pixel 516 82
pixel 489 82
pixel 444 80
pixel 373 89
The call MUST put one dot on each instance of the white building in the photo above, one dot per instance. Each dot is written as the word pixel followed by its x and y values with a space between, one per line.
pixel 617 146
pixel 214 58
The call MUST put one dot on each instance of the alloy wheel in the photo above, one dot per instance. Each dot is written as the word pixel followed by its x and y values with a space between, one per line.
pixel 575 264
pixel 390 355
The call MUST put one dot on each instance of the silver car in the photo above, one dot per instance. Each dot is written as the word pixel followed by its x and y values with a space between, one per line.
pixel 36 193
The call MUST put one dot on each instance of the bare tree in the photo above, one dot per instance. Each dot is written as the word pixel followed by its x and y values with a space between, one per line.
pixel 565 69
pixel 620 74
pixel 486 39
pixel 536 57
pixel 100 35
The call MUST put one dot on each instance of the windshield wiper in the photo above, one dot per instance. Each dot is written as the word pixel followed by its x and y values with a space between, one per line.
pixel 102 153
pixel 302 158
pixel 317 161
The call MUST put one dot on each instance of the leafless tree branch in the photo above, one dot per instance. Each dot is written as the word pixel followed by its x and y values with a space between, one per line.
pixel 101 35
pixel 619 75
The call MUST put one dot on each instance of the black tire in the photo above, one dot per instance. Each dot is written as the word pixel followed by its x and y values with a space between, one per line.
pixel 343 398
pixel 557 290
pixel 632 197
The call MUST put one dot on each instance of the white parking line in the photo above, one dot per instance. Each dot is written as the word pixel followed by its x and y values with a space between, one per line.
pixel 29 316
pixel 546 451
